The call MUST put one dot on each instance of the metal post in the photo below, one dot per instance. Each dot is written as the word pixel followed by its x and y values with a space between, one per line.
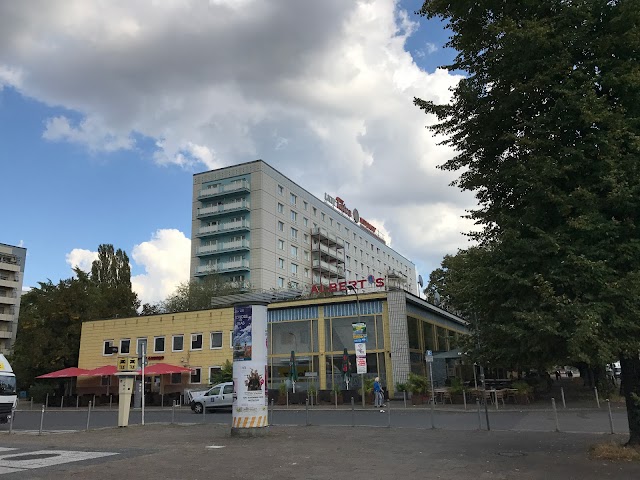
pixel 389 413
pixel 61 402
pixel 46 402
pixel 173 412
pixel 495 397
pixel 204 411
pixel 88 415
pixel 144 360
pixel 94 400
pixel 31 407
pixel 484 394
pixel 287 398
pixel 335 397
pixel 110 401
pixel 77 401
pixel 433 395
pixel 595 389
pixel 13 414
pixel 162 400
pixel 555 413
pixel 564 404
pixel 362 377
pixel 464 398
pixel 610 417
pixel 353 415
pixel 272 407
pixel 479 417
pixel 41 420
pixel 404 395
pixel 307 411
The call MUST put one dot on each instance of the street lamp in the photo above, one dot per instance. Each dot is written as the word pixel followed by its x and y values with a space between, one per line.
pixel 352 288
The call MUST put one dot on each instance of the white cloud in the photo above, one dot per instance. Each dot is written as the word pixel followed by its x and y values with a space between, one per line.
pixel 81 258
pixel 165 259
pixel 428 49
pixel 323 91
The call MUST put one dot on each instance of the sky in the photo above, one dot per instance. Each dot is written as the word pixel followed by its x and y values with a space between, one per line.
pixel 108 108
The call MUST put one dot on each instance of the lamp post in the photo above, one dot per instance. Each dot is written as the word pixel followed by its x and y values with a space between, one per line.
pixel 293 375
pixel 352 288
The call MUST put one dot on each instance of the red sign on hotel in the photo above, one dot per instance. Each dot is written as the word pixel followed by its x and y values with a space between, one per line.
pixel 342 286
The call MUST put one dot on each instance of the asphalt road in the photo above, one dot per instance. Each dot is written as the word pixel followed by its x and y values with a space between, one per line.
pixel 531 420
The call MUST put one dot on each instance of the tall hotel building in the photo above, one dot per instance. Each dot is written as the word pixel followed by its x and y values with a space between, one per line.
pixel 12 260
pixel 255 227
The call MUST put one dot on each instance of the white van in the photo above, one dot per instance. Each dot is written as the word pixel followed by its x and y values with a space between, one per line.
pixel 8 394
pixel 218 396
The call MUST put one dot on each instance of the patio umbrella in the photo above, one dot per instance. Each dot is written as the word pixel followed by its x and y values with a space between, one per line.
pixel 105 370
pixel 69 372
pixel 164 369
pixel 293 370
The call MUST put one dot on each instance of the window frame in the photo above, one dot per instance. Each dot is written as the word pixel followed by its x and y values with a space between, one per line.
pixel 173 342
pixel 199 370
pixel 191 349
pixel 129 347
pixel 106 343
pixel 211 347
pixel 164 344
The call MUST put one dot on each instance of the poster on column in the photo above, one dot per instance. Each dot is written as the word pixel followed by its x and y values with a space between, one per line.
pixel 242 334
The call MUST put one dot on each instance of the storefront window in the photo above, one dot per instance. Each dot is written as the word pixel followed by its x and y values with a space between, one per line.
pixel 342 333
pixel 280 371
pixel 288 336
pixel 414 338
pixel 427 333
pixel 442 339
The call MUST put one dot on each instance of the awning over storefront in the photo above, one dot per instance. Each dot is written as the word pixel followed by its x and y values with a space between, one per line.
pixel 105 370
pixel 164 369
pixel 69 372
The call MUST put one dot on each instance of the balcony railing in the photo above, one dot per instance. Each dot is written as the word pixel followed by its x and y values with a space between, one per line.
pixel 223 267
pixel 222 228
pixel 325 236
pixel 222 247
pixel 224 189
pixel 220 209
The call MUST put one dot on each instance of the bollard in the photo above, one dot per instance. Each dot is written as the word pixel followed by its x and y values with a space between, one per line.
pixel 13 414
pixel 46 402
pixel 110 401
pixel 77 401
pixel 555 413
pixel 564 404
pixel 433 402
pixel 271 419
pixel 31 407
pixel 173 412
pixel 287 398
pixel 389 413
pixel 404 395
pixel 335 397
pixel 486 413
pixel 479 416
pixel 89 415
pixel 610 417
pixel 41 420
pixel 204 412
pixel 495 397
pixel 61 402
pixel 307 411
pixel 162 401
pixel 464 399
pixel 595 389
pixel 94 400
pixel 353 415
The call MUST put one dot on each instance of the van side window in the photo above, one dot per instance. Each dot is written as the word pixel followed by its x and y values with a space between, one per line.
pixel 228 389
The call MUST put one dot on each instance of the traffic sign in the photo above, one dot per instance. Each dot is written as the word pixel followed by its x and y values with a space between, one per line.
pixel 428 356
pixel 361 349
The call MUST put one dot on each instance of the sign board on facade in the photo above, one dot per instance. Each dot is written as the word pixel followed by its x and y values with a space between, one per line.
pixel 361 364
pixel 127 364
pixel 344 286
pixel 361 349
pixel 359 332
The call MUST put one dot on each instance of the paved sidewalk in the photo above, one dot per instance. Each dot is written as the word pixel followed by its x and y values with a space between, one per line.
pixel 187 452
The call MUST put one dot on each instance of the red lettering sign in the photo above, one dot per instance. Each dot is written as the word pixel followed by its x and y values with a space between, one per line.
pixel 342 286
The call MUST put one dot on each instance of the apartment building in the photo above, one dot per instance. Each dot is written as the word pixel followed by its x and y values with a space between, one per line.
pixel 254 226
pixel 12 260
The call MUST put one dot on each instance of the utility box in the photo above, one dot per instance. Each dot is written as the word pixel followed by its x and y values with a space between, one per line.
pixel 125 389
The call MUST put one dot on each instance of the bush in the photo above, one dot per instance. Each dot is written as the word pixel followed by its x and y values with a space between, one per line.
pixel 456 387
pixel 417 384
pixel 401 387
pixel 39 391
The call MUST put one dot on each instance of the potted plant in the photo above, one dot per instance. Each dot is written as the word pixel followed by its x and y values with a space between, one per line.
pixel 456 389
pixel 523 391
pixel 368 391
pixel 418 385
pixel 337 394
pixel 312 394
pixel 282 394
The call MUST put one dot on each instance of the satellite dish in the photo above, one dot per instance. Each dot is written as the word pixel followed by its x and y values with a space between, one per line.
pixel 420 281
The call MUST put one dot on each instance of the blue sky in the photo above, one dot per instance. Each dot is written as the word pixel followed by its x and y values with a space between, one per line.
pixel 107 110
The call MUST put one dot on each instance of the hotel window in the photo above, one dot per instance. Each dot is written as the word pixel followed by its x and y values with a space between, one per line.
pixel 178 343
pixel 330 221
pixel 280 226
pixel 322 216
pixel 305 221
pixel 281 262
pixel 305 205
pixel 280 282
pixel 216 340
pixel 176 378
pixel 294 269
pixel 280 244
pixel 125 345
pixel 306 273
pixel 195 375
pixel 106 347
pixel 306 255
pixel 294 251
pixel 306 238
pixel 293 284
pixel 348 260
pixel 292 199
pixel 339 226
pixel 196 341
pixel 280 208
pixel 158 344
pixel 294 216
pixel 315 211
pixel 280 190
pixel 294 233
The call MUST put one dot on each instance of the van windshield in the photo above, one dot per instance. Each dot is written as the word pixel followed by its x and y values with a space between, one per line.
pixel 7 385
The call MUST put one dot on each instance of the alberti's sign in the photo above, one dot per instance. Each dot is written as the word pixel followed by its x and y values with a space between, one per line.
pixel 342 286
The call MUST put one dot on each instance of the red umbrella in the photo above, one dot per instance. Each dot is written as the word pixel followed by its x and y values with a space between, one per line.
pixel 164 368
pixel 65 373
pixel 105 370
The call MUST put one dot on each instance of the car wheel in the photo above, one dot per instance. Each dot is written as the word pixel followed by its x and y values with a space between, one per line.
pixel 197 408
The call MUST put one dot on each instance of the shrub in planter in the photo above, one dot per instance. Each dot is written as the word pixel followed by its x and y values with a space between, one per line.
pixel 456 390
pixel 418 385
pixel 282 394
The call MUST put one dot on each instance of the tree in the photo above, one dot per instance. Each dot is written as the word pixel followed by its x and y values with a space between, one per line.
pixel 197 294
pixel 224 375
pixel 112 273
pixel 546 131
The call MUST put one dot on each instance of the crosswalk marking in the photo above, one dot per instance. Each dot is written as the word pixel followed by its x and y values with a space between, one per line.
pixel 13 460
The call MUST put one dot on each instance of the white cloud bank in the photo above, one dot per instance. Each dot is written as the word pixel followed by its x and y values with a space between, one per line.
pixel 322 91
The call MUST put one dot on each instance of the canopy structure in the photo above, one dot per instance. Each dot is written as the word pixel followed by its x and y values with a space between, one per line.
pixel 105 370
pixel 163 369
pixel 70 372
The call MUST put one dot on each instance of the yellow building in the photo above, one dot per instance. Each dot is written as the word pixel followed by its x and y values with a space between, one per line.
pixel 399 327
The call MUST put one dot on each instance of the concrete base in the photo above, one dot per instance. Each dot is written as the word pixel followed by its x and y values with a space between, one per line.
pixel 249 432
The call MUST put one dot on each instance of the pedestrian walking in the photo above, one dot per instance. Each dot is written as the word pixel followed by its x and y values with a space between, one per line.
pixel 377 393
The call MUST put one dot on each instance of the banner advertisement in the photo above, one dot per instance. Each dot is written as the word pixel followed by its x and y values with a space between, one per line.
pixel 359 332
pixel 361 349
pixel 361 364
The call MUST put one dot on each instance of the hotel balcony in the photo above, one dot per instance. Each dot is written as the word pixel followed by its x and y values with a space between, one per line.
pixel 223 267
pixel 10 281
pixel 222 247
pixel 214 210
pixel 6 317
pixel 8 298
pixel 326 237
pixel 334 271
pixel 222 229
pixel 242 186
pixel 5 333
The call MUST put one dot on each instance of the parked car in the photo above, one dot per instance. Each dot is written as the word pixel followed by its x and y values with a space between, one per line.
pixel 218 396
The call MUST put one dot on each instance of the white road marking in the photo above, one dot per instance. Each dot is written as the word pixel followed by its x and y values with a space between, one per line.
pixel 24 460
pixel 215 446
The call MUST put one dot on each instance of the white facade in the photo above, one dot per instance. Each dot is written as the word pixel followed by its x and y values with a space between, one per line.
pixel 12 260
pixel 254 226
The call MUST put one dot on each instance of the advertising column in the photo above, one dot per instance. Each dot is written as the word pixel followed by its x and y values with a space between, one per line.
pixel 249 369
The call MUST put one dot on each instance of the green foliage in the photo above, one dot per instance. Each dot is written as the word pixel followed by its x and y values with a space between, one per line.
pixel 368 385
pixel 401 387
pixel 38 391
pixel 456 386
pixel 196 294
pixel 522 387
pixel 112 274
pixel 417 384
pixel 224 375
pixel 282 388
